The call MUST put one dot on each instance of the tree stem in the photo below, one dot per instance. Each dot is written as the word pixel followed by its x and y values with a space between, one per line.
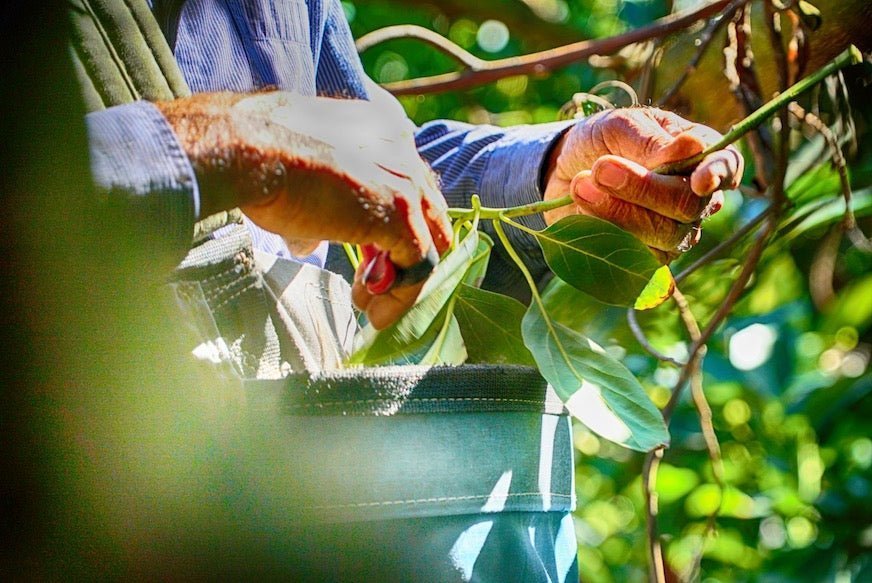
pixel 850 56
pixel 517 211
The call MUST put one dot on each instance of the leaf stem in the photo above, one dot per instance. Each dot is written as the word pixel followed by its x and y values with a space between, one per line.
pixel 704 411
pixel 656 571
pixel 534 289
pixel 490 213
pixel 519 226
pixel 850 56
pixel 643 341
pixel 352 255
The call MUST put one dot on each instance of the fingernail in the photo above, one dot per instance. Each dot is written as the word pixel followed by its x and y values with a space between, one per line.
pixel 583 188
pixel 611 175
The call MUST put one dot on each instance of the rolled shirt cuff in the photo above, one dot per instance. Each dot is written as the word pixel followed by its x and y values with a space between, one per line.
pixel 137 160
pixel 513 177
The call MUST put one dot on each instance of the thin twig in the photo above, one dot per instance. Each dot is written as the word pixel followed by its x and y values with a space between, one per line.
pixel 576 105
pixel 643 340
pixel 698 350
pixel 773 26
pixel 754 120
pixel 705 40
pixel 647 75
pixel 724 245
pixel 823 267
pixel 859 240
pixel 705 417
pixel 543 61
pixel 705 411
pixel 615 84
pixel 413 31
pixel 733 295
pixel 798 46
pixel 656 573
pixel 756 251
pixel 849 223
pixel 746 88
pixel 783 67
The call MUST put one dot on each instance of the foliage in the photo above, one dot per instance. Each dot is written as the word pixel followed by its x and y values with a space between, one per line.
pixel 786 375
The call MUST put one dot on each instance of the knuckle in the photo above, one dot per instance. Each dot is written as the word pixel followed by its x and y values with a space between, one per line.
pixel 689 206
pixel 666 233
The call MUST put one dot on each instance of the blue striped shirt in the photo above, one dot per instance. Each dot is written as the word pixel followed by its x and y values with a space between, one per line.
pixel 305 47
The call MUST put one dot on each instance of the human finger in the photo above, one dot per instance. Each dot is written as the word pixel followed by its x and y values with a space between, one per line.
pixel 382 310
pixel 435 210
pixel 409 241
pixel 721 170
pixel 637 135
pixel 631 182
pixel 670 121
pixel 650 227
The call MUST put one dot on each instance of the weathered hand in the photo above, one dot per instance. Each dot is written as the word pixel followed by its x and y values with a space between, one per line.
pixel 604 162
pixel 318 168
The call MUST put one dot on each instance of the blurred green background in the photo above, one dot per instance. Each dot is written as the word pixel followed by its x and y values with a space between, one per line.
pixel 787 376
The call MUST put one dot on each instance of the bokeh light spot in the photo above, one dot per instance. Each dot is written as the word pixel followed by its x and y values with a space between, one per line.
pixel 752 346
pixel 493 36
pixel 737 412
pixel 801 532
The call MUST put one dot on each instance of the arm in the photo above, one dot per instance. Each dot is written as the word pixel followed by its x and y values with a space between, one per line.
pixel 603 161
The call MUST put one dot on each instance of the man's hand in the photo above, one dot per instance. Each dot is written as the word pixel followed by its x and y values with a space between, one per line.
pixel 317 168
pixel 604 162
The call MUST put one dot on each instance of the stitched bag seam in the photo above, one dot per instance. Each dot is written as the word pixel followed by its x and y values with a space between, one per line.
pixel 414 501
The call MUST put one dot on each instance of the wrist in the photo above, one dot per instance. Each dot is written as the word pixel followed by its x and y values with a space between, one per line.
pixel 549 165
pixel 228 174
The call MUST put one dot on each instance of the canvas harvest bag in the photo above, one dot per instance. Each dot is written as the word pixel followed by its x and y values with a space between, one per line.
pixel 401 472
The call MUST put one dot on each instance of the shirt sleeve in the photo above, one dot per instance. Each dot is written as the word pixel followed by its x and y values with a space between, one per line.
pixel 504 167
pixel 339 72
pixel 138 164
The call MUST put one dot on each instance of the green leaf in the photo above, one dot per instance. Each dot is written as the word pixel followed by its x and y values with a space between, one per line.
pixel 598 258
pixel 851 307
pixel 578 311
pixel 439 344
pixel 817 214
pixel 596 388
pixel 448 347
pixel 378 347
pixel 491 327
pixel 476 272
pixel 821 180
pixel 657 291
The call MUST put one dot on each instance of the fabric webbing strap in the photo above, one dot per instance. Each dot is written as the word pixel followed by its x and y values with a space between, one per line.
pixel 121 54
pixel 404 390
